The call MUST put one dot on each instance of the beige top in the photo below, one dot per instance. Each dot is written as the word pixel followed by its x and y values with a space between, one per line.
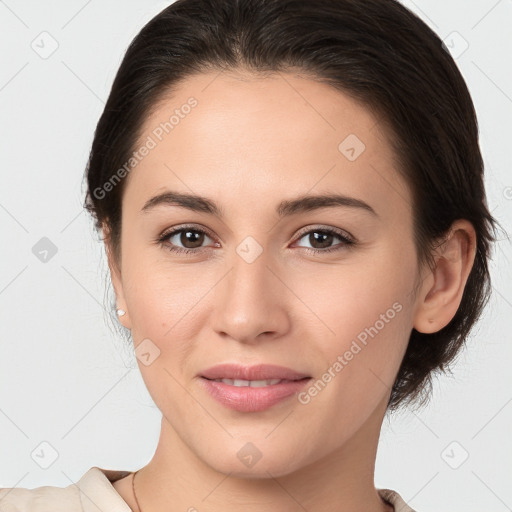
pixel 94 492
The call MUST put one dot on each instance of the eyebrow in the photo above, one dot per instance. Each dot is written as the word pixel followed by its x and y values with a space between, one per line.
pixel 301 204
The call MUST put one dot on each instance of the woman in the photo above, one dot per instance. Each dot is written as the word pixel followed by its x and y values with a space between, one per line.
pixel 292 203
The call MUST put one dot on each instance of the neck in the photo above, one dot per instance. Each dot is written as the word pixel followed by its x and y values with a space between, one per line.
pixel 176 479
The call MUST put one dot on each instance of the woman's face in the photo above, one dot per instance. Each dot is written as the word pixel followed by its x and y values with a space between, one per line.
pixel 266 283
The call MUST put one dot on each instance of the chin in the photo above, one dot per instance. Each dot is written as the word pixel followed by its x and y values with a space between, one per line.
pixel 254 460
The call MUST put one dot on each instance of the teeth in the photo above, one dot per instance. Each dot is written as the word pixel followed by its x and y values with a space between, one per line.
pixel 251 383
pixel 262 383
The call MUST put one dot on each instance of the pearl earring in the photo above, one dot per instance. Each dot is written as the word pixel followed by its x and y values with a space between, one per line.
pixel 121 312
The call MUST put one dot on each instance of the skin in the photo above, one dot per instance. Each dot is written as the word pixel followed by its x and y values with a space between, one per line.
pixel 250 143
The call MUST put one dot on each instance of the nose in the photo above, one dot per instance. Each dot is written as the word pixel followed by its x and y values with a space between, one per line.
pixel 251 302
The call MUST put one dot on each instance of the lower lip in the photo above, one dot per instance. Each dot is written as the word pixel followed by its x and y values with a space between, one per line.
pixel 248 399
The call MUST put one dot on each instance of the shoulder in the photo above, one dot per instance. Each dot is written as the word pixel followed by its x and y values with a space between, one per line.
pixel 93 490
pixel 395 499
pixel 60 499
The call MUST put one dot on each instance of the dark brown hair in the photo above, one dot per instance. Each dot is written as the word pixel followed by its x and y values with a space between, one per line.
pixel 376 51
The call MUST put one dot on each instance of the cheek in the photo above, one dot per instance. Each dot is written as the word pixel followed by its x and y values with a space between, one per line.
pixel 358 364
pixel 366 340
pixel 366 320
pixel 161 311
pixel 351 299
pixel 167 305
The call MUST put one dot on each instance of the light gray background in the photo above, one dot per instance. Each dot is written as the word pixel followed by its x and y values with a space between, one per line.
pixel 66 379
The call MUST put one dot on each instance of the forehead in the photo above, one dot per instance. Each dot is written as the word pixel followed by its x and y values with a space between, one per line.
pixel 264 136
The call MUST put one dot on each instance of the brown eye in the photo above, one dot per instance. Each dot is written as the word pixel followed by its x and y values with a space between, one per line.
pixel 191 239
pixel 184 239
pixel 321 240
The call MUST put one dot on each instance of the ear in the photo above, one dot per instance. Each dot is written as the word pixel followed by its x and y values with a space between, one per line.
pixel 115 275
pixel 442 288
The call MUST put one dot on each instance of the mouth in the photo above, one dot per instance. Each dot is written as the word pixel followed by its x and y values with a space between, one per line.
pixel 240 383
pixel 255 373
pixel 252 388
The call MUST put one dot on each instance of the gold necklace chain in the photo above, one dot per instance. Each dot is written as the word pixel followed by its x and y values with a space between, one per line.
pixel 133 489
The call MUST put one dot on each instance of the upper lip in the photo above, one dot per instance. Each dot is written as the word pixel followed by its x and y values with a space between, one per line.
pixel 256 372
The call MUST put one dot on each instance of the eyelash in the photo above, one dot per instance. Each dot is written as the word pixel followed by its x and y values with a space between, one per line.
pixel 347 241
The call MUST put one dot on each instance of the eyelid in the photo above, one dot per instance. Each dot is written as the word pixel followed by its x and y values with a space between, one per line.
pixel 193 227
pixel 339 232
